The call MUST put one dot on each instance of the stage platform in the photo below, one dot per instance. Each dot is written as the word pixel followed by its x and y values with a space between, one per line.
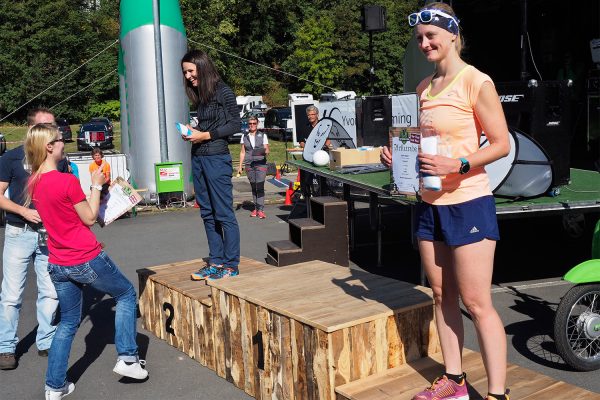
pixel 403 382
pixel 294 332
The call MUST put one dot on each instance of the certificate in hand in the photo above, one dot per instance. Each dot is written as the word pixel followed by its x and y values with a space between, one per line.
pixel 120 198
pixel 404 144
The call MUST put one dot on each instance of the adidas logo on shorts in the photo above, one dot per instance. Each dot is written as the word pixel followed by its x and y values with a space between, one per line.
pixel 474 230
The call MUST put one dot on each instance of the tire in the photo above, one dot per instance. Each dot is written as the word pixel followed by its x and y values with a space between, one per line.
pixel 577 327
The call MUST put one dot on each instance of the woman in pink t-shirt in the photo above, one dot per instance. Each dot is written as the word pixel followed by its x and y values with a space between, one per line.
pixel 76 258
pixel 456 226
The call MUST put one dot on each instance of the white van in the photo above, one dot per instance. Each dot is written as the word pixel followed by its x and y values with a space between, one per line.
pixel 248 103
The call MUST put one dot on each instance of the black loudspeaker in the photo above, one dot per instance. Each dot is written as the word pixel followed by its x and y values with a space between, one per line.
pixel 543 110
pixel 373 19
pixel 374 116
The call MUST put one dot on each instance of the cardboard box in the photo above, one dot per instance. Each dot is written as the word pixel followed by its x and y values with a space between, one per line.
pixel 341 157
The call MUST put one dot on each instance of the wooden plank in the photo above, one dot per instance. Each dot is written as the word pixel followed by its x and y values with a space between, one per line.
pixel 299 360
pixel 276 366
pixel 341 354
pixel 257 349
pixel 403 382
pixel 325 283
pixel 219 312
pixel 321 365
pixel 235 343
pixel 287 379
pixel 246 336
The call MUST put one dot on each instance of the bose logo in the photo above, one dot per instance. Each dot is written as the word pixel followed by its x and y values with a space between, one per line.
pixel 510 98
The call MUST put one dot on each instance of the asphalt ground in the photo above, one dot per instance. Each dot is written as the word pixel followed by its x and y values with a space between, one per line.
pixel 531 257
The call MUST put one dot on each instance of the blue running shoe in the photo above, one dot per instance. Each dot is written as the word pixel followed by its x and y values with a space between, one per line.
pixel 223 273
pixel 204 272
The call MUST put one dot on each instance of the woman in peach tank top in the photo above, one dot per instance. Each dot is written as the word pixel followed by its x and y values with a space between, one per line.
pixel 456 227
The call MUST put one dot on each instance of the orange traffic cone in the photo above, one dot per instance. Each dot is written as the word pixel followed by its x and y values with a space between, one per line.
pixel 288 195
pixel 277 173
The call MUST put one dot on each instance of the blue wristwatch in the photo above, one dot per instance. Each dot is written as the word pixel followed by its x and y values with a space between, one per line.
pixel 464 166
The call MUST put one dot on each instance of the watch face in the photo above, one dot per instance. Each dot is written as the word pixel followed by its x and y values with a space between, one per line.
pixel 464 166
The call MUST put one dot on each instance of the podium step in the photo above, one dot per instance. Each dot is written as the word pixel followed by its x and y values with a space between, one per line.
pixel 306 223
pixel 403 382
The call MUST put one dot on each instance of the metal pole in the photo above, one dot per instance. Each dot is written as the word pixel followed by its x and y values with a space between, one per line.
pixel 524 41
pixel 372 70
pixel 160 84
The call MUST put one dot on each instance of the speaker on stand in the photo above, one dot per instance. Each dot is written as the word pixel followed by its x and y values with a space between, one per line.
pixel 372 20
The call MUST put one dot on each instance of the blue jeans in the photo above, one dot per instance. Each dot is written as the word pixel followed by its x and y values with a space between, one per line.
pixel 102 274
pixel 214 194
pixel 20 247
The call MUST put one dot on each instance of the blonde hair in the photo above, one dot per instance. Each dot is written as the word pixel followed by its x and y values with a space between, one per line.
pixel 458 43
pixel 38 136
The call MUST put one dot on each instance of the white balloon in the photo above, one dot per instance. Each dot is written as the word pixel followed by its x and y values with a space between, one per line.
pixel 320 158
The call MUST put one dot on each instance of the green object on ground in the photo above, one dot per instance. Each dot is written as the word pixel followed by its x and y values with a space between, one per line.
pixel 169 177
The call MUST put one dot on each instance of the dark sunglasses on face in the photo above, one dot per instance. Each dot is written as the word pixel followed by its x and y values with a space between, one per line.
pixel 426 16
pixel 57 140
pixel 252 123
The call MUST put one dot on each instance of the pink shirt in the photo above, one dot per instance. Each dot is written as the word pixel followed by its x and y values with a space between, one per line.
pixel 70 241
pixel 451 114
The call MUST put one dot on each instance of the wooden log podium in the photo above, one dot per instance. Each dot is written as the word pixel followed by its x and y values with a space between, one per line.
pixel 314 330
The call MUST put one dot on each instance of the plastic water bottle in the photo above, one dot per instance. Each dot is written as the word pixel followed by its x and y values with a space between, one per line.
pixel 429 146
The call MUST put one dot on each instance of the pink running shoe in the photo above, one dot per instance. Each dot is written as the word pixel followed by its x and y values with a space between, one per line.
pixel 261 215
pixel 444 389
pixel 254 213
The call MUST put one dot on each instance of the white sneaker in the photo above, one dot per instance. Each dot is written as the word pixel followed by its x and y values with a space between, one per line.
pixel 56 395
pixel 133 370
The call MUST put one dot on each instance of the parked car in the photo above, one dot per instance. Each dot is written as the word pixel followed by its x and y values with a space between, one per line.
pixel 65 129
pixel 105 121
pixel 94 134
pixel 276 123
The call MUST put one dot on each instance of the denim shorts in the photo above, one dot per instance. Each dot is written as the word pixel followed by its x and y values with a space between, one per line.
pixel 458 224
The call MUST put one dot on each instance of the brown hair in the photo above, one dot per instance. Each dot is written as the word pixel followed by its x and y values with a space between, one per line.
pixel 458 43
pixel 97 150
pixel 207 76
pixel 31 114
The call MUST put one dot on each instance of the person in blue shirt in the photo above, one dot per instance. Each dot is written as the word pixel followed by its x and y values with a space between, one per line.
pixel 21 246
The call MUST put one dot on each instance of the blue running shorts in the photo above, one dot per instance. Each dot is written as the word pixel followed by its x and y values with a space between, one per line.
pixel 458 224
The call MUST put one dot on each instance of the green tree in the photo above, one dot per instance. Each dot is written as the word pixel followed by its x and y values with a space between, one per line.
pixel 313 58
pixel 43 44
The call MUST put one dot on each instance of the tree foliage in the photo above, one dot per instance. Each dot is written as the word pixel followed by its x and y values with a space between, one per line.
pixel 50 49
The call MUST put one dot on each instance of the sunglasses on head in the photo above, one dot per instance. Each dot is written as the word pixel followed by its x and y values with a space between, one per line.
pixel 426 16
